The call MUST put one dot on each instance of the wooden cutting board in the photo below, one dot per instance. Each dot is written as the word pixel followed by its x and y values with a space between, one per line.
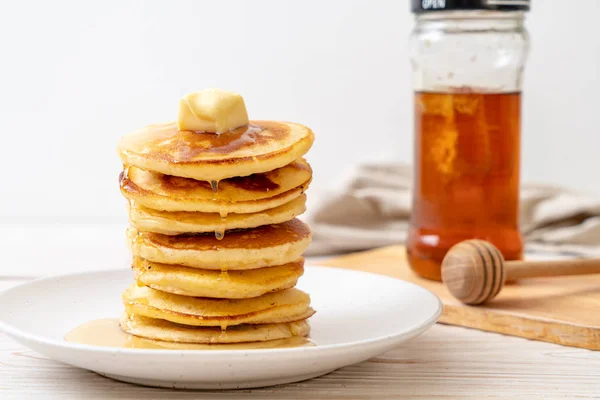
pixel 563 310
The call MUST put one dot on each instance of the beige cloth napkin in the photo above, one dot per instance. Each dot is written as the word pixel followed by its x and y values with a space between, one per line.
pixel 373 209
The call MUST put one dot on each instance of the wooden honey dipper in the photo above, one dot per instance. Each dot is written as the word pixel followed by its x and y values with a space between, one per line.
pixel 474 271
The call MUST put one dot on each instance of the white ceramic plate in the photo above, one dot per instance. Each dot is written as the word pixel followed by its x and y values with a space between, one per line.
pixel 359 316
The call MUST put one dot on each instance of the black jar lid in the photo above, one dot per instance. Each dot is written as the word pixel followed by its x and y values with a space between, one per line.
pixel 423 6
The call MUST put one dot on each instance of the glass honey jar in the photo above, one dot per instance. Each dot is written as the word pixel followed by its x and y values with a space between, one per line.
pixel 468 58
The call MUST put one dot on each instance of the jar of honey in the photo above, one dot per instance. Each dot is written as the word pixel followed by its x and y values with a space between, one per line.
pixel 468 58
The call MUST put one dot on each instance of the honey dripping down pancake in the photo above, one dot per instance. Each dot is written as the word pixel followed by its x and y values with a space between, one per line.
pixel 264 246
pixel 277 307
pixel 258 147
pixel 158 329
pixel 214 283
pixel 249 194
pixel 180 222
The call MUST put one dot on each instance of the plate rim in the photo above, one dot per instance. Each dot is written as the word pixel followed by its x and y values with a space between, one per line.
pixel 408 332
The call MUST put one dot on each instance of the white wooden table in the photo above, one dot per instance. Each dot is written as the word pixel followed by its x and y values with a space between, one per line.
pixel 446 362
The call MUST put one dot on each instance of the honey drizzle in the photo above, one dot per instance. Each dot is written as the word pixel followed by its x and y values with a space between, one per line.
pixel 220 232
pixel 126 171
pixel 215 188
pixel 224 275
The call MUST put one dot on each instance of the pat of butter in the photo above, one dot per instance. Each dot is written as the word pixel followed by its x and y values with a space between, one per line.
pixel 212 110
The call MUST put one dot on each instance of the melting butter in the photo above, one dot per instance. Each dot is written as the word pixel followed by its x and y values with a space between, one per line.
pixel 212 110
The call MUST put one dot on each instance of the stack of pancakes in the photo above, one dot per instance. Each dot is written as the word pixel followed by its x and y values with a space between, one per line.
pixel 216 247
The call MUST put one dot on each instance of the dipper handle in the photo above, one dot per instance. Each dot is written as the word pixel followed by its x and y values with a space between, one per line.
pixel 536 269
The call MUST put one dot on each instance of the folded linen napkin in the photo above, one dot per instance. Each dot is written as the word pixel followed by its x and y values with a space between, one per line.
pixel 373 209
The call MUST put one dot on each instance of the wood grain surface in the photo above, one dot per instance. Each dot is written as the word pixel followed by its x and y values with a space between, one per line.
pixel 446 362
pixel 563 310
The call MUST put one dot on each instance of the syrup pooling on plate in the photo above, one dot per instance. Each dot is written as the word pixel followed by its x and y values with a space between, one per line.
pixel 107 333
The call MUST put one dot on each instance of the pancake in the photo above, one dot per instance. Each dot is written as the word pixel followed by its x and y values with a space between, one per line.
pixel 177 223
pixel 277 307
pixel 248 194
pixel 259 147
pixel 135 342
pixel 265 246
pixel 212 283
pixel 158 329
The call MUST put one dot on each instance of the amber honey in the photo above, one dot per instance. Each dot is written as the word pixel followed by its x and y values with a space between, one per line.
pixel 466 185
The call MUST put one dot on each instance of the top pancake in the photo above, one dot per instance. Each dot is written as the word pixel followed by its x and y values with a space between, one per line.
pixel 259 147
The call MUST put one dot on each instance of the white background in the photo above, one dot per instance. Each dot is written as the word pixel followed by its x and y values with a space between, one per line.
pixel 76 75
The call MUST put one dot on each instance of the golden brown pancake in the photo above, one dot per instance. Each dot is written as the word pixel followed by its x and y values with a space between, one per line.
pixel 135 342
pixel 213 283
pixel 158 329
pixel 247 194
pixel 177 223
pixel 272 308
pixel 259 147
pixel 265 246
